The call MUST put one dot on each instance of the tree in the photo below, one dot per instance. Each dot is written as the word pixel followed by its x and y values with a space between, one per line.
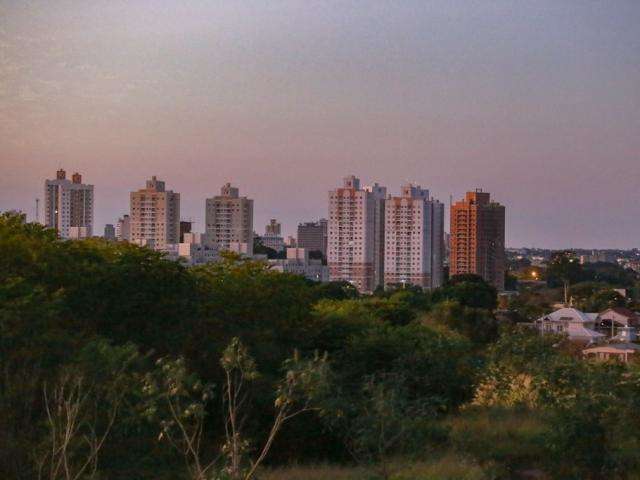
pixel 602 300
pixel 178 400
pixel 335 290
pixel 477 324
pixel 81 410
pixel 382 420
pixel 468 290
pixel 565 268
pixel 303 382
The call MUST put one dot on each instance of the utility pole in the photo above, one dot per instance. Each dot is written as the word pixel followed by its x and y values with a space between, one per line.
pixel 37 210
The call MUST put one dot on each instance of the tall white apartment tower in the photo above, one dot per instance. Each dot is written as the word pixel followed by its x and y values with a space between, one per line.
pixel 229 220
pixel 154 219
pixel 355 250
pixel 414 239
pixel 68 206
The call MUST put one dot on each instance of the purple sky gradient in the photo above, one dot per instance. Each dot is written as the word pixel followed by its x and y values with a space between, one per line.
pixel 536 102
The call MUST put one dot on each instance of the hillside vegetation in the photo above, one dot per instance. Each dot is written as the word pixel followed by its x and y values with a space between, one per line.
pixel 119 364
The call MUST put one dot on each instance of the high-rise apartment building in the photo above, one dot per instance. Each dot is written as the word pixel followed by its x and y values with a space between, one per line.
pixel 273 228
pixel 109 232
pixel 123 228
pixel 414 239
pixel 356 234
pixel 312 236
pixel 69 206
pixel 477 238
pixel 229 220
pixel 272 238
pixel 185 227
pixel 155 215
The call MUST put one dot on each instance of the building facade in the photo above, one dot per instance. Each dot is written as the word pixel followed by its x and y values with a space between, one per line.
pixel 109 232
pixel 123 228
pixel 185 227
pixel 68 206
pixel 155 215
pixel 414 239
pixel 313 236
pixel 299 263
pixel 275 242
pixel 229 220
pixel 193 249
pixel 273 228
pixel 477 238
pixel 355 250
pixel 272 237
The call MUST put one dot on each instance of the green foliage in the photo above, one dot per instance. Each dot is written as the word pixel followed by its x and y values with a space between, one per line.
pixel 477 324
pixel 335 291
pixel 611 274
pixel 564 268
pixel 82 405
pixel 513 438
pixel 88 319
pixel 468 290
pixel 384 419
pixel 603 300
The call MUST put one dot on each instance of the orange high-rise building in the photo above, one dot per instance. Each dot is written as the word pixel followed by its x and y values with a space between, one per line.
pixel 477 238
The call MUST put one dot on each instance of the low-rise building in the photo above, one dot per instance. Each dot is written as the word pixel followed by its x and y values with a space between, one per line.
pixel 577 325
pixel 196 249
pixel 622 352
pixel 273 241
pixel 618 317
pixel 299 263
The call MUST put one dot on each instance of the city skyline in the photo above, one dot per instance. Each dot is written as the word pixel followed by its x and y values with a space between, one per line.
pixel 537 104
pixel 199 224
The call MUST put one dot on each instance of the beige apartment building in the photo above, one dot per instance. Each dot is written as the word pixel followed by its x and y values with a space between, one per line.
pixel 477 238
pixel 355 246
pixel 154 219
pixel 68 206
pixel 229 220
pixel 414 239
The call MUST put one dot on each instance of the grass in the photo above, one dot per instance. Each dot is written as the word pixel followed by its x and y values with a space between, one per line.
pixel 482 444
pixel 316 472
pixel 512 438
pixel 448 467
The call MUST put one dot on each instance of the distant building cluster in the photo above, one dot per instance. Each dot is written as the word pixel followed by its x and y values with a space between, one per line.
pixel 370 238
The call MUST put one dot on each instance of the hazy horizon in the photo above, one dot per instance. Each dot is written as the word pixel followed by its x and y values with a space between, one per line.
pixel 539 104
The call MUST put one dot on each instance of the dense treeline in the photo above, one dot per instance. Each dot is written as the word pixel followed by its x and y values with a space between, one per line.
pixel 125 335
pixel 59 298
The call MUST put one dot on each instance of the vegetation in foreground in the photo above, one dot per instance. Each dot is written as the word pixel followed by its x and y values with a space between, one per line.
pixel 119 364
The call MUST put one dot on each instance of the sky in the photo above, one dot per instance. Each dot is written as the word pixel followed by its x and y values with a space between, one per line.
pixel 535 102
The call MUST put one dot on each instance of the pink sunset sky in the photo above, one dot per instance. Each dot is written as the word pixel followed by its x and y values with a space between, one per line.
pixel 536 102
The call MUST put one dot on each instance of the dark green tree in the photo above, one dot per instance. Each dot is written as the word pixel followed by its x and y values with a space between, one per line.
pixel 564 269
